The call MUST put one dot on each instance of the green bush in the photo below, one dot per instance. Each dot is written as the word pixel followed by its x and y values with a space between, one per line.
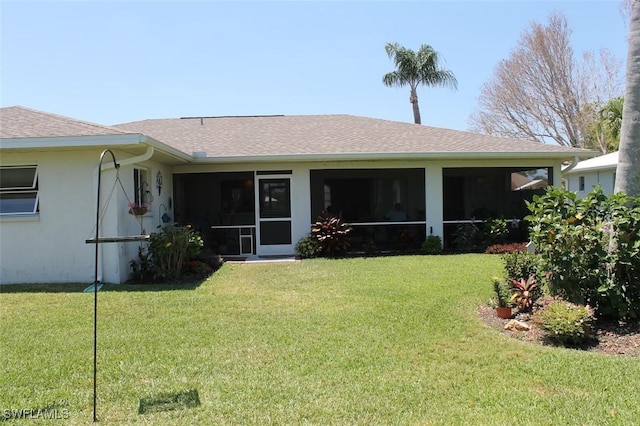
pixel 590 248
pixel 142 268
pixel 307 247
pixel 565 322
pixel 520 264
pixel 432 245
pixel 496 231
pixel 167 253
pixel 468 237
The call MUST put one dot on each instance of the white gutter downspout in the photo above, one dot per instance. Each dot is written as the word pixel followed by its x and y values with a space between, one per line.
pixel 128 161
pixel 574 163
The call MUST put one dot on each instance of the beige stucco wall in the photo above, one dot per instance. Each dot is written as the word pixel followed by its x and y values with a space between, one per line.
pixel 50 247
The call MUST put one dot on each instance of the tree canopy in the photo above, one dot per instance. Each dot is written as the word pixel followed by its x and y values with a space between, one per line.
pixel 416 68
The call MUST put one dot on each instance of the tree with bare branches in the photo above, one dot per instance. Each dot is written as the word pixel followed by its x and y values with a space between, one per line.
pixel 542 93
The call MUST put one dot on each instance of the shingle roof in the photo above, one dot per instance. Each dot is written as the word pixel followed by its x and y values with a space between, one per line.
pixel 20 122
pixel 326 134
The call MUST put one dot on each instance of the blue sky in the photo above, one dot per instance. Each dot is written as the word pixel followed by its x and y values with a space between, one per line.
pixel 120 61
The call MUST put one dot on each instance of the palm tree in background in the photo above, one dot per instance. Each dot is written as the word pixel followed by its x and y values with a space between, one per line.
pixel 628 169
pixel 415 68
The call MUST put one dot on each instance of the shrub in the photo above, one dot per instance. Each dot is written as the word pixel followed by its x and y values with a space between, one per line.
pixel 590 248
pixel 496 230
pixel 506 248
pixel 565 322
pixel 432 245
pixel 168 251
pixel 307 247
pixel 468 237
pixel 520 264
pixel 331 234
pixel 142 268
pixel 197 268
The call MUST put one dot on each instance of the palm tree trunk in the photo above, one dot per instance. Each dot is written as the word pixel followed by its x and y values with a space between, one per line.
pixel 416 110
pixel 628 170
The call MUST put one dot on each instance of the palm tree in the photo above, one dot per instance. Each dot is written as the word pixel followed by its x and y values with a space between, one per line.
pixel 628 170
pixel 415 68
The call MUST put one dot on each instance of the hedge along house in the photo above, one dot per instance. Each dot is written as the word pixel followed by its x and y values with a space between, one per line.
pixel 252 185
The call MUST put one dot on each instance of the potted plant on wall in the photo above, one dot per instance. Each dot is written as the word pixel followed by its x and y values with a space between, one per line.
pixel 502 298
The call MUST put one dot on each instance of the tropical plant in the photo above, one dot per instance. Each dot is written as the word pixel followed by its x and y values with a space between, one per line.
pixel 523 293
pixel 331 234
pixel 414 69
pixel 627 171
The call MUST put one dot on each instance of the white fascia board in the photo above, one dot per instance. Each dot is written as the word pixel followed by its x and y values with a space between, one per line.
pixel 168 149
pixel 560 156
pixel 72 141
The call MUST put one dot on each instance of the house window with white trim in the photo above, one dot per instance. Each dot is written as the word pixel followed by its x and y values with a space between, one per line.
pixel 581 183
pixel 18 190
pixel 142 193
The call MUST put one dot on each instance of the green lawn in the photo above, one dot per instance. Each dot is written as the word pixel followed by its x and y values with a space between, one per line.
pixel 390 340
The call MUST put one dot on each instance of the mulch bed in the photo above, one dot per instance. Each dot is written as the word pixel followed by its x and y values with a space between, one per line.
pixel 613 338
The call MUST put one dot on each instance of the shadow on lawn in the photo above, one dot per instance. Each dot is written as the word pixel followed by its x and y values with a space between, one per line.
pixel 80 287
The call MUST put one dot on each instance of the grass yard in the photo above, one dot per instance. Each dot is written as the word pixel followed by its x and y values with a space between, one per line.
pixel 391 340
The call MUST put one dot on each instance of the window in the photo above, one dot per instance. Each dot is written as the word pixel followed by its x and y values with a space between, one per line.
pixel 19 190
pixel 275 199
pixel 581 183
pixel 142 193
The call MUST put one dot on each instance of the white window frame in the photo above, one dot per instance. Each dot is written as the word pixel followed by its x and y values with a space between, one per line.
pixel 28 189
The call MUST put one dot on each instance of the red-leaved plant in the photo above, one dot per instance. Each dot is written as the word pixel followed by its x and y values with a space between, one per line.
pixel 331 233
pixel 523 292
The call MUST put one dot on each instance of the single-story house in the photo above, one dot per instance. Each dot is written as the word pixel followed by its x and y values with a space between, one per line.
pixel 594 171
pixel 251 185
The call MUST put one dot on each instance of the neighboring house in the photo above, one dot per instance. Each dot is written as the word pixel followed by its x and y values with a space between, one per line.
pixel 251 185
pixel 594 171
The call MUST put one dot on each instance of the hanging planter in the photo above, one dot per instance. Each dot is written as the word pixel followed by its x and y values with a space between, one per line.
pixel 138 209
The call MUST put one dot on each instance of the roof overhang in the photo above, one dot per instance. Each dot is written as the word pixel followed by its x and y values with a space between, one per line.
pixel 72 141
pixel 134 143
pixel 558 156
